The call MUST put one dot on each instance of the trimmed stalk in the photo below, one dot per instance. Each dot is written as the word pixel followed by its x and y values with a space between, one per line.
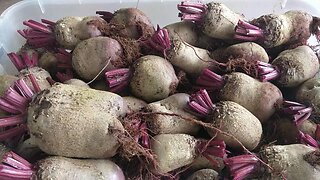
pixel 51 81
pixel 200 103
pixel 15 167
pixel 247 32
pixel 299 111
pixel 12 120
pixel 13 132
pixel 267 72
pixel 15 101
pixel 16 98
pixel 192 11
pixel 39 34
pixel 118 79
pixel 160 41
pixel 142 136
pixel 308 140
pixel 23 61
pixel 242 166
pixel 216 148
pixel 209 80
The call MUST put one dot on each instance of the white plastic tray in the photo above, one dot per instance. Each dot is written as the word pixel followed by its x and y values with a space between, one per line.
pixel 160 11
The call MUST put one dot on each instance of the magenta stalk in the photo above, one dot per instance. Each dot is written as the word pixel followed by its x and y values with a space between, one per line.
pixel 13 132
pixel 212 148
pixel 141 135
pixel 209 80
pixel 38 34
pixel 23 61
pixel 16 98
pixel 299 111
pixel 308 140
pixel 15 102
pixel 200 103
pixel 267 72
pixel 15 167
pixel 118 79
pixel 160 41
pixel 192 11
pixel 242 166
pixel 50 81
pixel 12 120
pixel 247 32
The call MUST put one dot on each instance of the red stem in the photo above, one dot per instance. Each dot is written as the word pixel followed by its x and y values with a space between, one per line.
pixel 192 11
pixel 15 99
pixel 213 147
pixel 23 61
pixel 12 120
pixel 24 89
pixel 267 72
pixel 244 172
pixel 308 140
pixel 16 161
pixel 242 166
pixel 8 172
pixel 201 103
pixel 160 41
pixel 200 111
pixel 34 83
pixel 51 81
pixel 15 59
pixel 118 79
pixel 7 107
pixel 13 132
pixel 37 26
pixel 46 21
pixel 209 79
pixel 299 111
pixel 39 35
pixel 247 32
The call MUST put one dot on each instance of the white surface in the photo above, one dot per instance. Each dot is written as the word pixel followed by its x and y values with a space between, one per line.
pixel 160 11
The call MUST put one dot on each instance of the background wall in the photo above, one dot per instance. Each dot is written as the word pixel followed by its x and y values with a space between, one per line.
pixel 4 4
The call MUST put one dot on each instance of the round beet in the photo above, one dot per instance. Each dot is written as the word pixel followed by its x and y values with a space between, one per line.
pixel 91 55
pixel 153 78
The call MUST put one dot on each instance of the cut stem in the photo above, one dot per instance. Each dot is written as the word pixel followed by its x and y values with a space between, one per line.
pixel 299 111
pixel 242 166
pixel 16 161
pixel 247 32
pixel 23 61
pixel 39 34
pixel 209 79
pixel 12 120
pixel 15 167
pixel 308 140
pixel 212 148
pixel 267 72
pixel 13 132
pixel 192 11
pixel 118 79
pixel 160 41
pixel 200 102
